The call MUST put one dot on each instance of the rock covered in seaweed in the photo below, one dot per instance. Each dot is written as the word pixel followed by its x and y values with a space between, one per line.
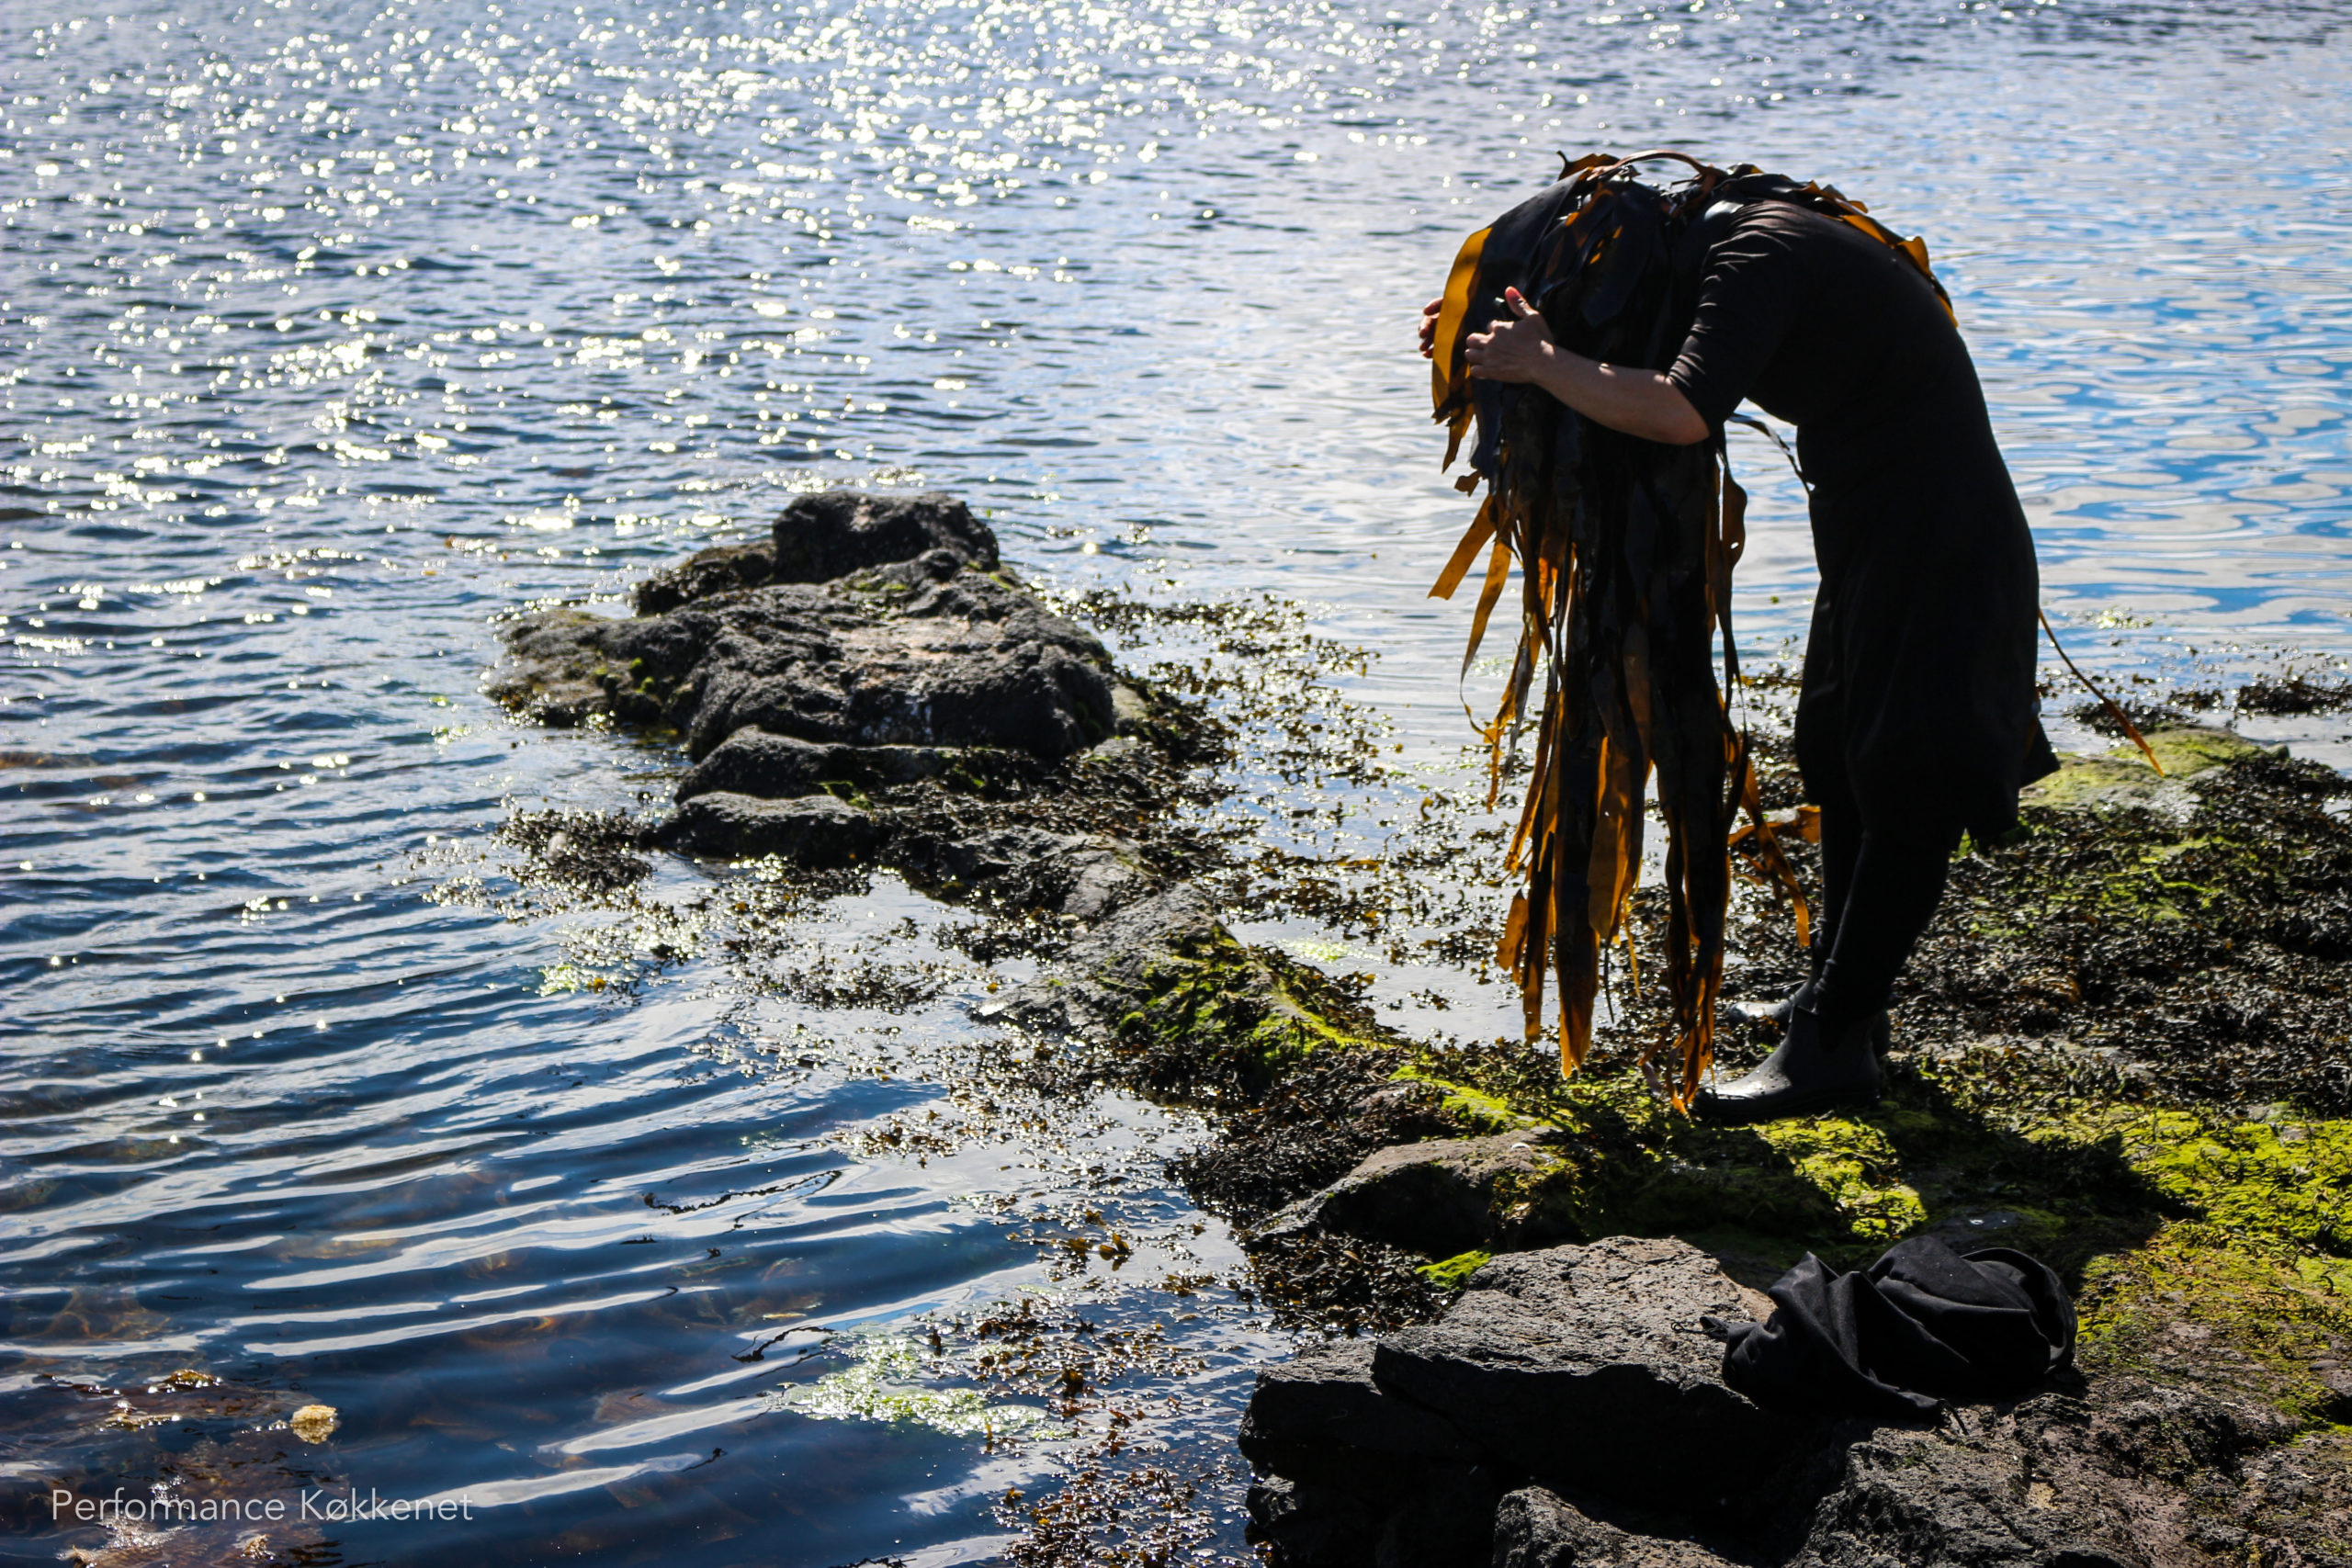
pixel 824 537
pixel 867 685
pixel 816 830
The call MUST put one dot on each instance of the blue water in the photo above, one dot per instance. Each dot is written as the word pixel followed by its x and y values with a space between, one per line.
pixel 331 333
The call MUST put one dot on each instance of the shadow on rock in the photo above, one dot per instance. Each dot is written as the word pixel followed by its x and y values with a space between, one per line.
pixel 1569 1409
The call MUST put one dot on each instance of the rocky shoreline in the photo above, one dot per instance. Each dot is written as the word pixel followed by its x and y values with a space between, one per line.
pixel 872 688
pixel 2124 1048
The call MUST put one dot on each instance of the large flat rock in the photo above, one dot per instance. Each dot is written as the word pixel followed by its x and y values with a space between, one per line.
pixel 1588 1368
pixel 1568 1412
pixel 1320 1416
pixel 1911 1499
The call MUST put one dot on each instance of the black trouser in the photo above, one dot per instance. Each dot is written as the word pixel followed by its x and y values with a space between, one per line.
pixel 1880 884
pixel 1880 888
pixel 1881 880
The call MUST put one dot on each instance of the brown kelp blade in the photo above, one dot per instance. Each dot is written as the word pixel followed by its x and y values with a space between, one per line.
pixel 1448 397
pixel 1458 566
pixel 1498 573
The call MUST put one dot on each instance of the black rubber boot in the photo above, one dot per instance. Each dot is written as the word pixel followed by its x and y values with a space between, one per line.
pixel 1779 1012
pixel 1806 1075
pixel 1803 997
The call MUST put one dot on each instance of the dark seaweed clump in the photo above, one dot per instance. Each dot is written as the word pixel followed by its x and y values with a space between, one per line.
pixel 2099 719
pixel 1310 1129
pixel 2207 952
pixel 2294 694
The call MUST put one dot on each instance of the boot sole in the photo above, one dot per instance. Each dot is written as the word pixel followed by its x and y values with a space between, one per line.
pixel 1747 1112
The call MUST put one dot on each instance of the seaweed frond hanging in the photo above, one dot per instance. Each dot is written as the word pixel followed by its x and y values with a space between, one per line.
pixel 1625 549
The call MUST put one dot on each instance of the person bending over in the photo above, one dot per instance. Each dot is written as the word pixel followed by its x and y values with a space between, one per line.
pixel 1917 720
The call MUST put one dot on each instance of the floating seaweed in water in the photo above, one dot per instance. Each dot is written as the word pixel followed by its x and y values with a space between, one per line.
pixel 1625 549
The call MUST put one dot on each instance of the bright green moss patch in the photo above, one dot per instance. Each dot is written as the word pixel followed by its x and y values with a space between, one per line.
pixel 1623 1165
pixel 1476 1110
pixel 1212 1013
pixel 1452 1273
pixel 2269 1182
pixel 1976 1147
pixel 2197 1298
pixel 2123 776
pixel 1855 1167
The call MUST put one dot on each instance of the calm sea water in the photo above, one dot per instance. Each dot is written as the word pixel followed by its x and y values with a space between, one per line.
pixel 329 333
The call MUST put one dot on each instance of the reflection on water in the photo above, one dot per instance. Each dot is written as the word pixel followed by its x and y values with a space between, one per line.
pixel 330 332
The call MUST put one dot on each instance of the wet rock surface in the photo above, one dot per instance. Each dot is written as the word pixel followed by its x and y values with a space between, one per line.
pixel 816 830
pixel 866 621
pixel 869 686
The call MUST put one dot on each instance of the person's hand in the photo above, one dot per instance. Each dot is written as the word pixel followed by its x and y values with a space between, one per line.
pixel 1514 349
pixel 1429 328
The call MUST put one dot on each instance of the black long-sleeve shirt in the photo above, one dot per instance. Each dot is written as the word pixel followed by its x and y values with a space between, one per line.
pixel 1919 671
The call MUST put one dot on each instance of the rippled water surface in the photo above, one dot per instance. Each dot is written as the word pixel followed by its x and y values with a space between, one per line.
pixel 330 333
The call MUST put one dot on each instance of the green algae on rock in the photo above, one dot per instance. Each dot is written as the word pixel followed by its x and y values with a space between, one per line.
pixel 2061 1132
pixel 1261 1013
pixel 2121 776
pixel 1452 1273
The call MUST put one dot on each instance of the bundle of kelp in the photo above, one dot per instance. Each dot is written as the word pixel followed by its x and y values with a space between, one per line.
pixel 1625 549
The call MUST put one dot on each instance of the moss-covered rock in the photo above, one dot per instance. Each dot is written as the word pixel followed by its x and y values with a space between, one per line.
pixel 2075 1045
pixel 2123 776
pixel 1210 1015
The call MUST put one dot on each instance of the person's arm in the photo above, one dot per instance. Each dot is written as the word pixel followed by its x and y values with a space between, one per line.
pixel 1638 403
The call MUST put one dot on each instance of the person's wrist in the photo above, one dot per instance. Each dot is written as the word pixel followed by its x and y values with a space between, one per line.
pixel 1549 363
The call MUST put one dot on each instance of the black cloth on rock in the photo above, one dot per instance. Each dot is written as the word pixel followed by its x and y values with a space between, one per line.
pixel 1922 1325
pixel 1919 669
